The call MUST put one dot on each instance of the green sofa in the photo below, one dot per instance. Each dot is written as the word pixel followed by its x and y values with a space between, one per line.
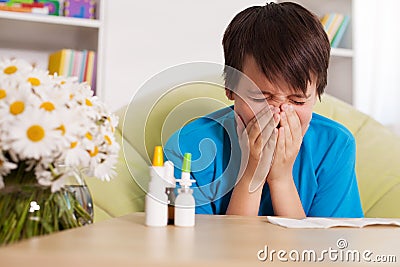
pixel 378 149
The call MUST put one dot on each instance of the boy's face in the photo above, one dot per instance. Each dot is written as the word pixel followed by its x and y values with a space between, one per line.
pixel 249 100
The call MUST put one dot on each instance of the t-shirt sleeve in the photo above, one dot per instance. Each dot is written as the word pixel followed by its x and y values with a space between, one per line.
pixel 337 194
pixel 202 191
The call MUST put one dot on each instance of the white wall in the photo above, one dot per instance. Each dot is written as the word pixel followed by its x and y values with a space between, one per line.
pixel 143 38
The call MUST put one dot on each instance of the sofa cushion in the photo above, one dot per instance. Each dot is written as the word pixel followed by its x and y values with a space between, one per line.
pixel 378 155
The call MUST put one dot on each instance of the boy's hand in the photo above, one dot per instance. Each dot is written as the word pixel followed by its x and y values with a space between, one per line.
pixel 288 145
pixel 257 142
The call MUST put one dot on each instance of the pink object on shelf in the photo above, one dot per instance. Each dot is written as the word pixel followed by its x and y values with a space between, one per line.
pixel 80 8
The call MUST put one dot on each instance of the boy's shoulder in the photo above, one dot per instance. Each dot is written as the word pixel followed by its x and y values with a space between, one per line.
pixel 207 132
pixel 323 126
pixel 208 124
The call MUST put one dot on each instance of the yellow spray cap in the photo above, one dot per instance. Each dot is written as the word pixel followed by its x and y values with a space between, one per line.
pixel 158 157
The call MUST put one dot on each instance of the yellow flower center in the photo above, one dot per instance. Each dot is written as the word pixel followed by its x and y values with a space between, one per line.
pixel 34 81
pixel 63 82
pixel 74 144
pixel 3 93
pixel 10 70
pixel 48 106
pixel 88 102
pixel 35 133
pixel 108 139
pixel 71 96
pixel 89 136
pixel 17 107
pixel 62 129
pixel 94 152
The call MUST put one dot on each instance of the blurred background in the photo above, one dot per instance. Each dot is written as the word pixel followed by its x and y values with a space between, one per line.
pixel 117 45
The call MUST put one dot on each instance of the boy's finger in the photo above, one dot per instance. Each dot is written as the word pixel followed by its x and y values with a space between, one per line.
pixel 277 118
pixel 258 123
pixel 294 124
pixel 268 130
pixel 261 118
pixel 288 132
pixel 264 164
pixel 239 124
pixel 270 145
pixel 280 144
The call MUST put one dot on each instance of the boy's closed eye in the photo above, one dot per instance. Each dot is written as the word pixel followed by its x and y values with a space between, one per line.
pixel 297 102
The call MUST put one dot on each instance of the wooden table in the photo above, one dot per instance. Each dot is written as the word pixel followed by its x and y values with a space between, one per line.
pixel 214 241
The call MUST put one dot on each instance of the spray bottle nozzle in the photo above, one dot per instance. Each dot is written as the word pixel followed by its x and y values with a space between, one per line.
pixel 158 157
pixel 185 180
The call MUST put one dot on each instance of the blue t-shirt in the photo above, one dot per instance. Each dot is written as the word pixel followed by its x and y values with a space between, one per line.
pixel 324 170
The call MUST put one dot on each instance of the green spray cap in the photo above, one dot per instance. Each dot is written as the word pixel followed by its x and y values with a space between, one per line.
pixel 186 162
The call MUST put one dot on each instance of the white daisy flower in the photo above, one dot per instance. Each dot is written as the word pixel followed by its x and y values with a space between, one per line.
pixel 6 85
pixel 19 100
pixel 96 156
pixel 52 102
pixel 14 68
pixel 76 155
pixel 38 78
pixel 34 135
pixel 67 82
pixel 46 177
pixel 109 144
pixel 105 170
pixel 53 97
pixel 68 85
pixel 72 124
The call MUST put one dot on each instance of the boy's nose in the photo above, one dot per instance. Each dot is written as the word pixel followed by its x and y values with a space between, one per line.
pixel 278 105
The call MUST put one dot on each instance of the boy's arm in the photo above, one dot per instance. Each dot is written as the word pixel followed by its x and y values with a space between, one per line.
pixel 243 202
pixel 257 142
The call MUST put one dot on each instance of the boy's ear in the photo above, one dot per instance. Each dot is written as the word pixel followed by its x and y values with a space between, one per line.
pixel 229 94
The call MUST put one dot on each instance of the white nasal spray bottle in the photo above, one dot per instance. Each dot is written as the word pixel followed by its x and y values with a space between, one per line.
pixel 170 189
pixel 184 202
pixel 156 205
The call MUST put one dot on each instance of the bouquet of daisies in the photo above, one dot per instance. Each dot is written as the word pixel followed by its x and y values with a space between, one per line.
pixel 50 121
pixel 51 127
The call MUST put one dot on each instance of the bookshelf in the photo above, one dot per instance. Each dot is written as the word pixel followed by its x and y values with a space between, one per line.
pixel 341 68
pixel 34 37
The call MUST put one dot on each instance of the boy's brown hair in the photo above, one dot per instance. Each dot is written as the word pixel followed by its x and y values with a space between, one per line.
pixel 287 41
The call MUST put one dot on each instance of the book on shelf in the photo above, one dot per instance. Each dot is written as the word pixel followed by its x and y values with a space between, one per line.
pixel 89 72
pixel 80 64
pixel 24 7
pixel 68 8
pixel 80 8
pixel 83 65
pixel 53 6
pixel 340 32
pixel 335 25
pixel 57 62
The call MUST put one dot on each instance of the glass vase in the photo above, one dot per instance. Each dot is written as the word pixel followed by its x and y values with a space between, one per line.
pixel 28 209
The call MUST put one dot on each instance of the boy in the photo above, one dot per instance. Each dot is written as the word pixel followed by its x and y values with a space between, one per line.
pixel 269 154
